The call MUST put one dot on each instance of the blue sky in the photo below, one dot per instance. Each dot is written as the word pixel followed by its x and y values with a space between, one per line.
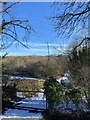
pixel 37 13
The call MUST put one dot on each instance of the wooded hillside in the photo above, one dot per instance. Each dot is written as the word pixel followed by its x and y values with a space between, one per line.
pixel 34 66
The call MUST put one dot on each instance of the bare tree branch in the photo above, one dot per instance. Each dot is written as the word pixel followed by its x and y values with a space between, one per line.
pixel 15 39
pixel 87 38
pixel 10 6
pixel 69 17
pixel 9 29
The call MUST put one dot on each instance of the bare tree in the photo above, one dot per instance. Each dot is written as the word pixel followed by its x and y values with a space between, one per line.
pixel 70 17
pixel 10 27
pixel 79 67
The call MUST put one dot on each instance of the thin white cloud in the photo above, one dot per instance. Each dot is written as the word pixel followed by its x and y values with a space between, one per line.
pixel 42 44
pixel 59 49
pixel 37 50
pixel 45 45
pixel 14 54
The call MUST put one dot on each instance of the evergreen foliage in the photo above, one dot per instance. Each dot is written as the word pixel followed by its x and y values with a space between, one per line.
pixel 56 93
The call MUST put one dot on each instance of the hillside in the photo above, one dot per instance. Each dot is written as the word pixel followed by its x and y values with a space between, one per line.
pixel 34 66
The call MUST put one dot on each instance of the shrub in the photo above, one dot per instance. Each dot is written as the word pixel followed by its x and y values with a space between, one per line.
pixel 54 93
pixel 57 94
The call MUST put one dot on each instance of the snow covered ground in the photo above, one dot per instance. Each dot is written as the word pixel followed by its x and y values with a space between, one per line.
pixel 63 106
pixel 21 78
pixel 64 79
pixel 36 101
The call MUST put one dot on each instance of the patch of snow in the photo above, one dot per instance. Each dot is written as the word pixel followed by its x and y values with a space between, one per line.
pixel 82 105
pixel 19 94
pixel 66 74
pixel 33 102
pixel 38 96
pixel 63 106
pixel 64 79
pixel 59 80
pixel 37 101
pixel 87 110
pixel 21 78
pixel 21 113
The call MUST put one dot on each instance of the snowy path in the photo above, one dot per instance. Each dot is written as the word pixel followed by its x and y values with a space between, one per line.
pixel 33 102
